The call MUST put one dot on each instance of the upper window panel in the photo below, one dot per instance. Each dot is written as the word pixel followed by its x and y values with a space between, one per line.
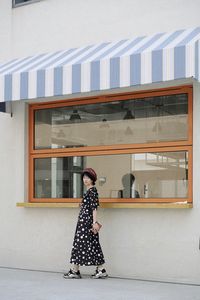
pixel 145 120
pixel 22 2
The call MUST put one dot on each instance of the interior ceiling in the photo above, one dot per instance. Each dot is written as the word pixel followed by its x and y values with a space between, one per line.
pixel 152 104
pixel 116 110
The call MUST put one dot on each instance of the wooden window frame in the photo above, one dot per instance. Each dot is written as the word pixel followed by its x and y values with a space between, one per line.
pixel 113 149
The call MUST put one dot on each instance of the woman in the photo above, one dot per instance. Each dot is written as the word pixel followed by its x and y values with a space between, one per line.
pixel 86 250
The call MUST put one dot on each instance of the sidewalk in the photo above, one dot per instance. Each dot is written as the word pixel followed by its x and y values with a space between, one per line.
pixel 32 285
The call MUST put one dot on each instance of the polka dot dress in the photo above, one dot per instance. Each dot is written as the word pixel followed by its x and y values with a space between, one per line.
pixel 86 250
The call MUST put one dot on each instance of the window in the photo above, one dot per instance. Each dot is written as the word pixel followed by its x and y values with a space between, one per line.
pixel 156 175
pixel 140 144
pixel 132 121
pixel 17 3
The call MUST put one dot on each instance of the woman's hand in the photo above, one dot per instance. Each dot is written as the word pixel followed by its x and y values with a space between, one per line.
pixel 96 227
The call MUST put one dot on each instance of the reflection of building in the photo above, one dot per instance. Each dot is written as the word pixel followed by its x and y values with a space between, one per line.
pixel 58 177
pixel 120 107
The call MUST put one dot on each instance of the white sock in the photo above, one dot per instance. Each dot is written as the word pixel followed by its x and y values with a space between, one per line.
pixel 100 267
pixel 75 268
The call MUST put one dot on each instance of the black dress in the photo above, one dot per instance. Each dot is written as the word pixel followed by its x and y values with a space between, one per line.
pixel 86 250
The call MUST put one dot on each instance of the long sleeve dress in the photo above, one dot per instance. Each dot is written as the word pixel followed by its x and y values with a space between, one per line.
pixel 86 250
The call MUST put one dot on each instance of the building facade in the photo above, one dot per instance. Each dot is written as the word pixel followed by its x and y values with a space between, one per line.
pixel 129 108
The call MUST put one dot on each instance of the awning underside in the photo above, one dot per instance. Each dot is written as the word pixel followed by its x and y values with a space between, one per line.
pixel 142 60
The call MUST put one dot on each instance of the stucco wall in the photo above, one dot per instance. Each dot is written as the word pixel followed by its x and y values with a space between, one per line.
pixel 50 25
pixel 161 244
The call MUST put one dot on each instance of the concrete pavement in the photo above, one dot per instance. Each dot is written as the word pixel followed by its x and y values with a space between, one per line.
pixel 33 285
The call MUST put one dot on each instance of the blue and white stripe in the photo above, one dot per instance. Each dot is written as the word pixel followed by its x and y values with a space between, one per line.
pixel 142 60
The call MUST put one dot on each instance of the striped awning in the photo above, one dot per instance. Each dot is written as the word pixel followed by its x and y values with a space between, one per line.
pixel 141 60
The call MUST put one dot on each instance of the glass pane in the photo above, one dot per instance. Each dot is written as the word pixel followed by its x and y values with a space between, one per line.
pixel 58 177
pixel 143 175
pixel 146 120
pixel 21 1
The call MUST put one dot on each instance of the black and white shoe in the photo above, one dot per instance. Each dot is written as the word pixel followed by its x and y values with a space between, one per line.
pixel 72 275
pixel 99 274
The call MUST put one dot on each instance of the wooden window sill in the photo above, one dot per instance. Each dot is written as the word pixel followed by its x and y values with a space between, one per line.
pixel 107 205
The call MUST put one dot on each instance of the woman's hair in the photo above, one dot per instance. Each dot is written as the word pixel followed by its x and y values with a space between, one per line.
pixel 89 172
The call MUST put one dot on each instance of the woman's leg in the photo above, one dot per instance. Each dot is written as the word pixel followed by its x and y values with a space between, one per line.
pixel 100 267
pixel 100 272
pixel 75 267
pixel 73 272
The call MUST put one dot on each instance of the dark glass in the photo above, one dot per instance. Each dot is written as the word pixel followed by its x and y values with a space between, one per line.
pixel 141 175
pixel 21 1
pixel 154 119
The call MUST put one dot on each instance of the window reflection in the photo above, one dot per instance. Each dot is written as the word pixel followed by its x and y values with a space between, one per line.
pixel 148 120
pixel 128 191
pixel 58 177
pixel 143 175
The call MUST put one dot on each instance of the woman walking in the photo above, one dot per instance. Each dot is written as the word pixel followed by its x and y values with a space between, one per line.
pixel 86 250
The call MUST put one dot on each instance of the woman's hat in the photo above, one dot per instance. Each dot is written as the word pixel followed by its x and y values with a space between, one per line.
pixel 91 173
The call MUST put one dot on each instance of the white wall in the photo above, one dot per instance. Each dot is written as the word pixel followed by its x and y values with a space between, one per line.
pixel 50 25
pixel 161 244
pixel 5 29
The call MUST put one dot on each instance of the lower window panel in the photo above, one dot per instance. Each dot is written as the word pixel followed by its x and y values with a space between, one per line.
pixel 139 175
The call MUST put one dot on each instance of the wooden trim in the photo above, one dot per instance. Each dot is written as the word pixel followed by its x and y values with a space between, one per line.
pixel 106 205
pixel 111 200
pixel 90 149
pixel 31 178
pixel 190 116
pixel 147 205
pixel 30 159
pixel 112 149
pixel 112 97
pixel 31 129
pixel 190 175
